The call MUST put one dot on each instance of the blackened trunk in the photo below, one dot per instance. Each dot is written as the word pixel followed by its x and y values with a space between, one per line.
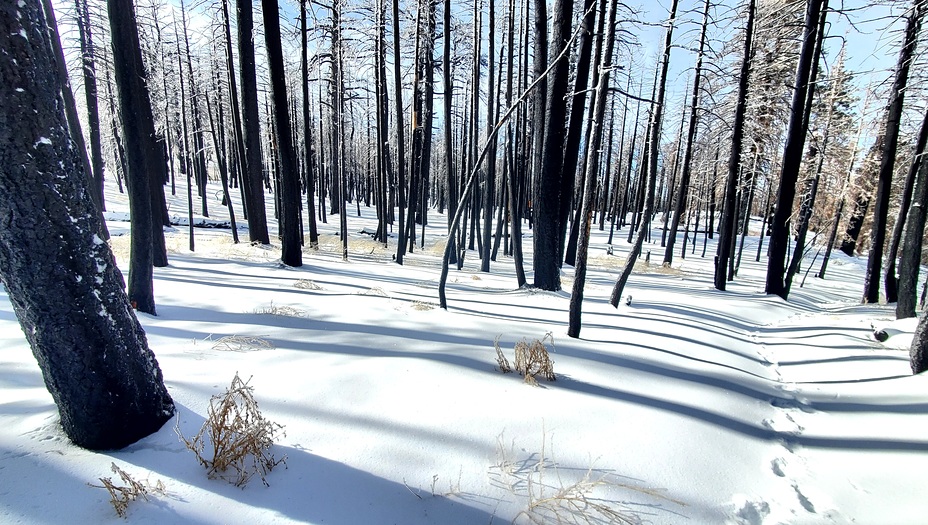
pixel 143 153
pixel 888 153
pixel 727 221
pixel 603 63
pixel 892 292
pixel 400 138
pixel 918 352
pixel 88 68
pixel 291 247
pixel 574 135
pixel 549 228
pixel 309 151
pixel 910 259
pixel 89 345
pixel 253 174
pixel 792 153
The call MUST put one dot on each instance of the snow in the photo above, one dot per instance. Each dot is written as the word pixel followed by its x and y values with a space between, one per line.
pixel 690 405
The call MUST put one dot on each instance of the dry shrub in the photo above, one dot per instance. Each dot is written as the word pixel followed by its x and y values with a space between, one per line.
pixel 438 247
pixel 531 359
pixel 357 245
pixel 285 311
pixel 375 291
pixel 561 495
pixel 422 306
pixel 306 284
pixel 614 263
pixel 240 437
pixel 501 360
pixel 121 496
pixel 242 343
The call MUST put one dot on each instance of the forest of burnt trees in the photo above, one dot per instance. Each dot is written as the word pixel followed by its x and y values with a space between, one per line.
pixel 711 113
pixel 553 121
pixel 555 118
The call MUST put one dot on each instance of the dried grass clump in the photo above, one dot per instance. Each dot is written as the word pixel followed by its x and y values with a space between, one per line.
pixel 422 306
pixel 438 247
pixel 285 311
pixel 375 291
pixel 306 284
pixel 240 437
pixel 121 496
pixel 557 495
pixel 501 360
pixel 242 343
pixel 531 359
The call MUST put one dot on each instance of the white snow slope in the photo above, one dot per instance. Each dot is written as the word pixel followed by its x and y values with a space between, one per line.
pixel 689 405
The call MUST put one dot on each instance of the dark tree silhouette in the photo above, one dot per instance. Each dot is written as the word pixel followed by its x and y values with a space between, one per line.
pixel 252 165
pixel 291 247
pixel 91 348
pixel 549 229
pixel 144 158
pixel 888 152
pixel 727 221
pixel 792 152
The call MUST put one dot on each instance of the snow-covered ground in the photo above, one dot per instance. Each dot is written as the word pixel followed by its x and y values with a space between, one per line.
pixel 687 406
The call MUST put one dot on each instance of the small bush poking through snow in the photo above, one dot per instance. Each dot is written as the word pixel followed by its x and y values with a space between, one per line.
pixel 241 438
pixel 285 311
pixel 531 359
pixel 422 306
pixel 121 496
pixel 242 343
pixel 306 284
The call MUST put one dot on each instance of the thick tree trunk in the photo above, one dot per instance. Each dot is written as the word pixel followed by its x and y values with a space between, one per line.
pixel 910 260
pixel 143 153
pixel 918 352
pixel 792 153
pixel 490 171
pixel 291 247
pixel 549 229
pixel 888 153
pixel 892 282
pixel 92 350
pixel 252 163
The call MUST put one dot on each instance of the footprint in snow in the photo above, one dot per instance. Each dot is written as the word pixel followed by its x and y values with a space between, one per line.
pixel 750 511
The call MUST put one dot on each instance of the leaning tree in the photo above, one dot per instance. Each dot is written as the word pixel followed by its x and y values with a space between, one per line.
pixel 61 277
